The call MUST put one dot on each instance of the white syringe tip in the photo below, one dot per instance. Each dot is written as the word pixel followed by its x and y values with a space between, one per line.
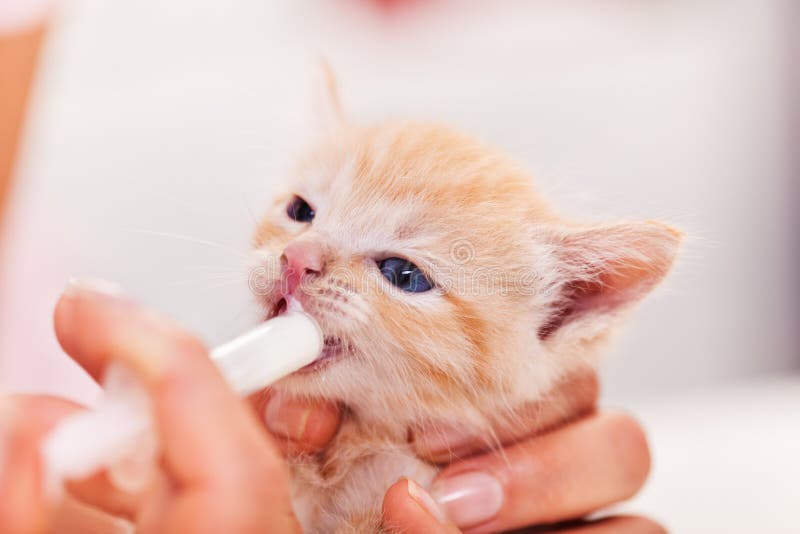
pixel 269 351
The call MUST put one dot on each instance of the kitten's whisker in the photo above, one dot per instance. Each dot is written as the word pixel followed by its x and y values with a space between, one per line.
pixel 212 275
pixel 350 309
pixel 190 239
pixel 251 213
pixel 213 268
pixel 176 202
pixel 209 283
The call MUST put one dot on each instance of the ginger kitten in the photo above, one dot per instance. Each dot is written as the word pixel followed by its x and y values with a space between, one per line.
pixel 447 289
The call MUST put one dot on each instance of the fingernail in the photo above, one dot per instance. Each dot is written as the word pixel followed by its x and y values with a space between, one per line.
pixel 424 499
pixel 441 439
pixel 286 418
pixel 469 499
pixel 96 286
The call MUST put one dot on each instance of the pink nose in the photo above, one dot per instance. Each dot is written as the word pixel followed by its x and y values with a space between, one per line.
pixel 300 259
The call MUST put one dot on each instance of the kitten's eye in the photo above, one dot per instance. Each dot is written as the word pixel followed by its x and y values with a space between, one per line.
pixel 299 210
pixel 405 275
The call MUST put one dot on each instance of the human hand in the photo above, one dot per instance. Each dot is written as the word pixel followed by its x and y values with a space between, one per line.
pixel 218 470
pixel 563 474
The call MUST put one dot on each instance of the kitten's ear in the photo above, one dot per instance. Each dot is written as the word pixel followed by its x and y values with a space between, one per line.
pixel 327 106
pixel 603 270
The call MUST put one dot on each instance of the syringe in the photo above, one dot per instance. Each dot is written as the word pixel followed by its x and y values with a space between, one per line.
pixel 119 429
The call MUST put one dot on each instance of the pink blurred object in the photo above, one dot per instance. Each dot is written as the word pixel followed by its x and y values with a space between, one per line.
pixel 17 15
pixel 31 360
pixel 393 5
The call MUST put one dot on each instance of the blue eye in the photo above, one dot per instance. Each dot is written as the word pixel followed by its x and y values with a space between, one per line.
pixel 405 275
pixel 299 210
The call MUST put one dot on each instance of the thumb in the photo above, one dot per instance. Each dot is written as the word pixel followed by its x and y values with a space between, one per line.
pixel 408 508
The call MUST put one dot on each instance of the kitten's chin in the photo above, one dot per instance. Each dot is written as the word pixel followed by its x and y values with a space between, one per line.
pixel 332 350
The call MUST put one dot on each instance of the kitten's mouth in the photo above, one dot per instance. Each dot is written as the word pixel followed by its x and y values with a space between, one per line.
pixel 332 347
pixel 279 308
pixel 331 351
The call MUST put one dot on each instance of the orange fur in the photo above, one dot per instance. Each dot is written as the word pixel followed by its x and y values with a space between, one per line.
pixel 522 300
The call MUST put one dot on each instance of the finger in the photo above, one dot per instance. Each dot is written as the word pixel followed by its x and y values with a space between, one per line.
pixel 99 492
pixel 43 412
pixel 573 397
pixel 408 508
pixel 24 421
pixel 81 331
pixel 300 426
pixel 209 437
pixel 564 474
pixel 606 525
pixel 22 505
pixel 154 509
pixel 76 516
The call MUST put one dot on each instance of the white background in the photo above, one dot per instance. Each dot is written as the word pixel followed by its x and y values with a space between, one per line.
pixel 178 117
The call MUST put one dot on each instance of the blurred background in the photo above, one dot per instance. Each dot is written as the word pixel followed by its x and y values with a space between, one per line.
pixel 157 130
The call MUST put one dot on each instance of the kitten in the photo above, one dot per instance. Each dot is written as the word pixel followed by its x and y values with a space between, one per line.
pixel 447 289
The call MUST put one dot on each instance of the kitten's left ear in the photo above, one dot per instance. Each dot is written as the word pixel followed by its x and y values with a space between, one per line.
pixel 603 270
pixel 327 106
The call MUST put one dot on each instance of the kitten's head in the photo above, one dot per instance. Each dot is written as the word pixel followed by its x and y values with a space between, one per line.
pixel 443 282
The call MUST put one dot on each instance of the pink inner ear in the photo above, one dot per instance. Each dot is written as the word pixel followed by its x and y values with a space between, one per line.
pixel 621 284
pixel 612 267
pixel 577 296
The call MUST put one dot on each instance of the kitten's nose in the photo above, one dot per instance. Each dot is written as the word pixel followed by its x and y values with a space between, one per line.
pixel 301 259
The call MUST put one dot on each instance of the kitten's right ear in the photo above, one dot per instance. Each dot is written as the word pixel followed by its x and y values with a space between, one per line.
pixel 327 106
